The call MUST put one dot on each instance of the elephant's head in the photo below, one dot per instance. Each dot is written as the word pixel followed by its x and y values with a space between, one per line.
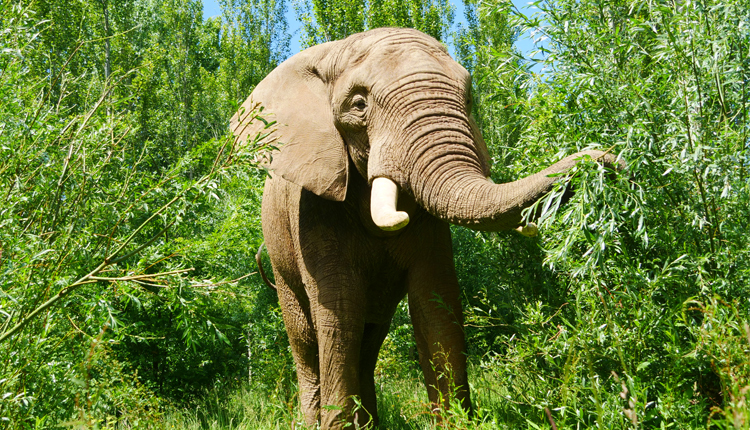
pixel 394 102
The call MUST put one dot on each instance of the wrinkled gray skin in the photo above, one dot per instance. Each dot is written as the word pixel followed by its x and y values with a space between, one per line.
pixel 384 103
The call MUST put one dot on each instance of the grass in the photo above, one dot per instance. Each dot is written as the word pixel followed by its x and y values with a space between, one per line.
pixel 510 392
pixel 244 408
pixel 403 405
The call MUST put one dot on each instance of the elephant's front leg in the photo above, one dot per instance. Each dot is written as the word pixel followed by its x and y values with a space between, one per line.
pixel 340 322
pixel 436 313
pixel 335 257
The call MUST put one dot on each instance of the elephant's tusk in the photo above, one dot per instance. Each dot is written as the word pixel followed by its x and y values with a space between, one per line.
pixel 383 205
pixel 528 230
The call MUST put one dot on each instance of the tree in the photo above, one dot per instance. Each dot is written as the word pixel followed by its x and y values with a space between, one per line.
pixel 326 20
pixel 434 17
pixel 647 265
pixel 255 39
pixel 109 183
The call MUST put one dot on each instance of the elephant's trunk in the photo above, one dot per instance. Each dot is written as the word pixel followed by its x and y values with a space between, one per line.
pixel 473 201
pixel 451 185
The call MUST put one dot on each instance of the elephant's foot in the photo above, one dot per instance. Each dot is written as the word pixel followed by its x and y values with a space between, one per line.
pixel 338 417
pixel 310 404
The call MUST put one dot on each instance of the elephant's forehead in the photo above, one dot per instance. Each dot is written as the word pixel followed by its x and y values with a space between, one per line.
pixel 396 48
pixel 394 37
pixel 395 64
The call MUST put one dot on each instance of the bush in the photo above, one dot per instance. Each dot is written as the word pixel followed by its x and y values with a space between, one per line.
pixel 649 278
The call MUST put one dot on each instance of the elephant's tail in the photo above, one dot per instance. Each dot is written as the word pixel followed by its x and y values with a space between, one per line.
pixel 260 267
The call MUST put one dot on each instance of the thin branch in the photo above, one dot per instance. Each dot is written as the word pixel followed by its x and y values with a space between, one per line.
pixel 144 276
pixel 225 282
pixel 149 284
pixel 140 248
pixel 78 329
pixel 86 279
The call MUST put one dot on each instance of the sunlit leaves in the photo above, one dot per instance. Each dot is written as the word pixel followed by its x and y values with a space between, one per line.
pixel 663 86
pixel 325 21
pixel 101 178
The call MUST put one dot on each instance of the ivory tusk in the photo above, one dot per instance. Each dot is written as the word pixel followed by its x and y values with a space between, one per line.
pixel 383 199
pixel 528 230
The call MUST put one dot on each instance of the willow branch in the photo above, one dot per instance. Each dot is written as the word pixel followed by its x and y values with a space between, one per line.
pixel 140 248
pixel 52 300
pixel 225 282
pixel 145 276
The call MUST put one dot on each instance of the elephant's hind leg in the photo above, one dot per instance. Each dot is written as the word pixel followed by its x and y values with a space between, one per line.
pixel 278 207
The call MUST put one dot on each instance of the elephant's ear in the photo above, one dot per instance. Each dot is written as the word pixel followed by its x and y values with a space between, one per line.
pixel 311 150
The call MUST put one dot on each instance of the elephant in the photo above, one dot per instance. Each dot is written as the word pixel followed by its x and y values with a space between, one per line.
pixel 377 154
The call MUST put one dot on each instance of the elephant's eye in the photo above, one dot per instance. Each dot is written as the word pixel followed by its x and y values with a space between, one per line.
pixel 353 111
pixel 359 102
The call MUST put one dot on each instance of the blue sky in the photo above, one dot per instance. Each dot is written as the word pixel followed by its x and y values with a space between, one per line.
pixel 524 44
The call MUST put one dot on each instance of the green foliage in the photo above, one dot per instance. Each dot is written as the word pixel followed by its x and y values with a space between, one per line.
pixel 244 408
pixel 327 20
pixel 609 326
pixel 178 55
pixel 120 288
pixel 398 355
pixel 630 311
pixel 434 17
pixel 254 40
